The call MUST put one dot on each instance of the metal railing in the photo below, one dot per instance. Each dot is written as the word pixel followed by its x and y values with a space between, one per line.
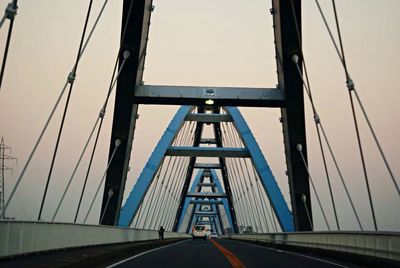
pixel 21 237
pixel 377 244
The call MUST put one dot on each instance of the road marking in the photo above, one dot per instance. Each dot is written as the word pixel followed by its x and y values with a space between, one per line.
pixel 235 262
pixel 143 253
pixel 293 253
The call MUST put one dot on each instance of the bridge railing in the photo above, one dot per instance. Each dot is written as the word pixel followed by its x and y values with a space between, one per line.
pixel 377 244
pixel 21 237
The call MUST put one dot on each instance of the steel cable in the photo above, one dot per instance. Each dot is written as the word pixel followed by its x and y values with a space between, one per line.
pixel 117 144
pixel 101 115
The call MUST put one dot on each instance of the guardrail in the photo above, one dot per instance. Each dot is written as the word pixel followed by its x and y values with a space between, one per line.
pixel 377 244
pixel 21 237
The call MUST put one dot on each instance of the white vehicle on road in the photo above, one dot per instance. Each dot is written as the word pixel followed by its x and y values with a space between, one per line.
pixel 199 231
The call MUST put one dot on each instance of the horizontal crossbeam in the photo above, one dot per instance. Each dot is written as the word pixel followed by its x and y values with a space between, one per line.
pixel 208 141
pixel 208 118
pixel 206 184
pixel 222 96
pixel 206 202
pixel 202 222
pixel 207 152
pixel 206 195
pixel 205 214
pixel 207 166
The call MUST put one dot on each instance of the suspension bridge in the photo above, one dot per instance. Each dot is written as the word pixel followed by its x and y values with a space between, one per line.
pixel 207 168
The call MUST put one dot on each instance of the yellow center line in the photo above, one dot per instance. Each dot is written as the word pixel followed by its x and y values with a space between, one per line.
pixel 235 262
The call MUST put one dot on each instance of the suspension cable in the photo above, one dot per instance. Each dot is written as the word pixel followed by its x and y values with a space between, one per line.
pixel 303 199
pixel 166 188
pixel 351 87
pixel 235 192
pixel 242 185
pixel 69 80
pixel 182 174
pixel 108 95
pixel 299 148
pixel 10 13
pixel 72 75
pixel 159 192
pixel 273 224
pixel 258 205
pixel 319 123
pixel 160 188
pixel 251 198
pixel 101 115
pixel 117 144
pixel 315 114
pixel 156 184
pixel 177 174
pixel 179 186
pixel 236 188
pixel 241 188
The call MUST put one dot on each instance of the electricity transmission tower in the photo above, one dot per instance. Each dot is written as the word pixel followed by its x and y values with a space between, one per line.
pixel 3 169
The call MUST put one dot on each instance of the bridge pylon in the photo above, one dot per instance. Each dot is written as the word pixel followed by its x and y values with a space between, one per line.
pixel 207 154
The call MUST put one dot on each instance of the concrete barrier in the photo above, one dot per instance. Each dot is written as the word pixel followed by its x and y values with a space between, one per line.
pixel 384 245
pixel 21 237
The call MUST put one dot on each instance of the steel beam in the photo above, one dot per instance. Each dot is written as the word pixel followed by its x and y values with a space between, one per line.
pixel 286 27
pixel 145 179
pixel 228 213
pixel 225 178
pixel 207 151
pixel 125 109
pixel 189 172
pixel 206 202
pixel 267 179
pixel 206 214
pixel 206 195
pixel 208 118
pixel 207 166
pixel 207 141
pixel 188 200
pixel 206 184
pixel 222 96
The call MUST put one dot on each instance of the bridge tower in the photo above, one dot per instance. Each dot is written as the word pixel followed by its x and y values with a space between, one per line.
pixel 287 95
pixel 198 150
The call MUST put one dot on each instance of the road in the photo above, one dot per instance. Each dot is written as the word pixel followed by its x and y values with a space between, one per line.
pixel 224 253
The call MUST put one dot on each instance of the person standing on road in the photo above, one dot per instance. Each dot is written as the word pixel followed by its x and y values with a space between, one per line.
pixel 161 233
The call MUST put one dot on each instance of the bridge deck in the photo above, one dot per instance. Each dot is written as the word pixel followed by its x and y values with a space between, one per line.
pixel 196 254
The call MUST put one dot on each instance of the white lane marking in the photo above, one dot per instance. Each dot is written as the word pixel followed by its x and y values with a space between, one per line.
pixel 143 253
pixel 298 254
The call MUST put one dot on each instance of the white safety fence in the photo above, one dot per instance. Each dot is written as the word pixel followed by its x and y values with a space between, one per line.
pixel 378 244
pixel 20 237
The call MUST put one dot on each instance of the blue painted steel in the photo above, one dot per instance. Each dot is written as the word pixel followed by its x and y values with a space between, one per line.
pixel 224 201
pixel 143 183
pixel 214 179
pixel 187 199
pixel 206 202
pixel 268 181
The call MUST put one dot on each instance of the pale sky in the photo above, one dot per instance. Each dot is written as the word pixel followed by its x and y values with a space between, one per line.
pixel 212 43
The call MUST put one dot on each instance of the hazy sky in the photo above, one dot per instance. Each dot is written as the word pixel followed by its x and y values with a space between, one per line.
pixel 213 43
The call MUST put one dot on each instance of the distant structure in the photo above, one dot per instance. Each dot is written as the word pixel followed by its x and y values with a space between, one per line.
pixel 3 169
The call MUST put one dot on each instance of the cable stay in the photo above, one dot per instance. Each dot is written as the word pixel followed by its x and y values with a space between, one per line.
pixel 10 13
pixel 70 80
pixel 117 144
pixel 351 88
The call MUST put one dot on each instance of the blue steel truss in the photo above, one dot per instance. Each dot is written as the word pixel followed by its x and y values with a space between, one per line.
pixel 267 179
pixel 143 183
pixel 213 179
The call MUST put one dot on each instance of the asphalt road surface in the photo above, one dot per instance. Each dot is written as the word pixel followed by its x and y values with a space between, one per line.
pixel 224 253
